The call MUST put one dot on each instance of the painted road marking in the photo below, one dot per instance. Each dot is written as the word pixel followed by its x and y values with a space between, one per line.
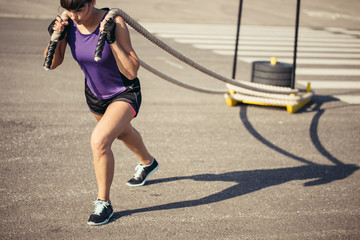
pixel 345 44
pixel 290 49
pixel 316 84
pixel 327 72
pixel 348 99
pixel 308 61
pixel 268 54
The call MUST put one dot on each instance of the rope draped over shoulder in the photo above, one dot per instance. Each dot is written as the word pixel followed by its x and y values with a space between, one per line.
pixel 246 86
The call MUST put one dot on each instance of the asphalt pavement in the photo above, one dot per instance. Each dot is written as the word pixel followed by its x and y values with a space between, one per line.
pixel 243 172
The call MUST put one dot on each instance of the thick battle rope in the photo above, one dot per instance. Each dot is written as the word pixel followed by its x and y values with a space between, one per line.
pixel 272 101
pixel 246 85
pixel 100 47
pixel 176 82
pixel 55 36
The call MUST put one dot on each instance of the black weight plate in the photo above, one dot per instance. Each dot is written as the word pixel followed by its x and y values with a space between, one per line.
pixel 265 66
pixel 271 75
pixel 273 82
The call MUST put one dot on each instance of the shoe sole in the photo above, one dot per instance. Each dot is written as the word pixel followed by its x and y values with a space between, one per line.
pixel 102 223
pixel 143 182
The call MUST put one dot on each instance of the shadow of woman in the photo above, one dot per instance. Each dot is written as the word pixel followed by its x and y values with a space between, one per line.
pixel 250 181
pixel 255 180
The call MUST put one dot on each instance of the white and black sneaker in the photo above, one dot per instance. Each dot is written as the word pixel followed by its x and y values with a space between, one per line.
pixel 142 172
pixel 102 213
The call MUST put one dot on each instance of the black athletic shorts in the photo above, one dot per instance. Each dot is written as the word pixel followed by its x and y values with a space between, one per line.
pixel 132 96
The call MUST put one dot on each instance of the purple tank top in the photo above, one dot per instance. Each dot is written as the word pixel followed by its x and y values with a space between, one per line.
pixel 103 78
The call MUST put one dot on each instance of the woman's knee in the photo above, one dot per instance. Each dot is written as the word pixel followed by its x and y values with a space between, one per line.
pixel 100 143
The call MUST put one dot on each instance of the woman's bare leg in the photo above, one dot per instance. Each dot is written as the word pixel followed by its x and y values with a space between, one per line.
pixel 133 140
pixel 115 120
pixel 115 123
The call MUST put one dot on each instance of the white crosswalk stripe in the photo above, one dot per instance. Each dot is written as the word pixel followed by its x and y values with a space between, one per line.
pixel 323 54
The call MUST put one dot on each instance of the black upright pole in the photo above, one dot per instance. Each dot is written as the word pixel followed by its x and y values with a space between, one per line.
pixel 296 43
pixel 237 40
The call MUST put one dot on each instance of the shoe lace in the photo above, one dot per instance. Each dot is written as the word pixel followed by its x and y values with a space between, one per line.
pixel 99 206
pixel 138 170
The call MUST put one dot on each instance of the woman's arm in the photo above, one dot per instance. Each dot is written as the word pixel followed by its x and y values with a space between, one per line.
pixel 125 56
pixel 61 45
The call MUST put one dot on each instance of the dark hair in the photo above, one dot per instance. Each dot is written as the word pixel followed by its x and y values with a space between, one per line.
pixel 73 4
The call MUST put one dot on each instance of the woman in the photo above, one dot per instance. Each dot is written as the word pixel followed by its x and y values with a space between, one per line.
pixel 112 92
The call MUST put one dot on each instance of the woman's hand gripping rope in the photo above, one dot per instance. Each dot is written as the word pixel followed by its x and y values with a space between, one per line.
pixel 57 30
pixel 58 25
